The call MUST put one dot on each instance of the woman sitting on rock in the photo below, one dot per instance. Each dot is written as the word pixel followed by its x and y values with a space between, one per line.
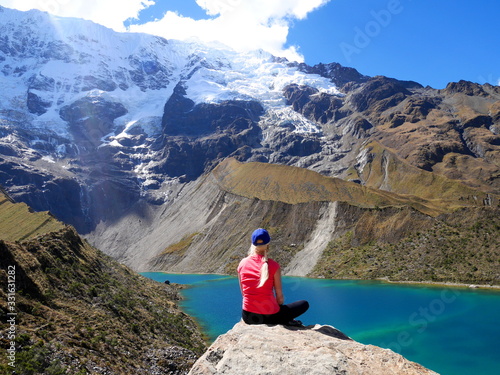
pixel 260 284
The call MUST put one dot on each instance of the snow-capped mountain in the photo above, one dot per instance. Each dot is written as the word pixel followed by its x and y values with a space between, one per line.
pixel 76 95
pixel 58 61
pixel 93 121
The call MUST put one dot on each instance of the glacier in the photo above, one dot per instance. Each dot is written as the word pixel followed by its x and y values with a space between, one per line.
pixel 83 114
pixel 61 60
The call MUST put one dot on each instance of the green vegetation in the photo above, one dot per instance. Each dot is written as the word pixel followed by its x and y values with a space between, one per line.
pixel 428 231
pixel 409 186
pixel 79 309
pixel 18 223
pixel 387 171
pixel 180 247
pixel 450 250
pixel 35 359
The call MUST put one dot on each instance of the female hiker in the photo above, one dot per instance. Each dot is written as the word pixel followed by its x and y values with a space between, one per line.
pixel 260 284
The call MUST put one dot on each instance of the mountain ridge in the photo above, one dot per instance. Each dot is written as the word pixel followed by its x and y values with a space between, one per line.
pixel 111 140
pixel 297 185
pixel 79 311
pixel 205 229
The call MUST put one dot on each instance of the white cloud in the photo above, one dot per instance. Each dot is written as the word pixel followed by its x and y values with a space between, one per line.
pixel 240 24
pixel 110 13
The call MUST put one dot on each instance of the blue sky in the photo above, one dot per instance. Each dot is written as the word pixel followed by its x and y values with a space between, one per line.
pixel 432 42
pixel 429 41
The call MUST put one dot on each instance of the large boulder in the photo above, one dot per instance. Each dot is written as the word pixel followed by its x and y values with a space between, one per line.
pixel 315 350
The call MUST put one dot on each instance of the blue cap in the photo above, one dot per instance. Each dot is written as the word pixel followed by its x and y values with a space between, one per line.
pixel 260 237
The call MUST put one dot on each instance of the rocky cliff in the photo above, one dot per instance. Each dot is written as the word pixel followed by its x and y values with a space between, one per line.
pixel 321 226
pixel 81 122
pixel 121 142
pixel 79 311
pixel 315 350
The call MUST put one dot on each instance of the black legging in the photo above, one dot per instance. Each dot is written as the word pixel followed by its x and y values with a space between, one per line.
pixel 286 314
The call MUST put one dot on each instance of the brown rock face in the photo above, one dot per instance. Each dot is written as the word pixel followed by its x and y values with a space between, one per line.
pixel 319 350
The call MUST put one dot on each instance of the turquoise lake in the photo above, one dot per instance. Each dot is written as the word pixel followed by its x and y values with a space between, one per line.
pixel 453 331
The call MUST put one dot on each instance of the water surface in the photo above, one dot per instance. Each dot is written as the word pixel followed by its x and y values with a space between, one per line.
pixel 453 331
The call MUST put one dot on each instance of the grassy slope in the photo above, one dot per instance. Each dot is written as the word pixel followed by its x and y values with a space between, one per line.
pixel 462 249
pixel 451 138
pixel 82 312
pixel 18 222
pixel 387 171
pixel 459 242
pixel 430 194
pixel 293 185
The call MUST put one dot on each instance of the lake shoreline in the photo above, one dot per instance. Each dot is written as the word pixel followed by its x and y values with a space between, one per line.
pixel 383 279
pixel 415 319
pixel 442 283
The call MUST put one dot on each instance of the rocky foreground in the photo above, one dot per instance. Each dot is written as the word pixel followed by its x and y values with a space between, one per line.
pixel 314 350
pixel 77 311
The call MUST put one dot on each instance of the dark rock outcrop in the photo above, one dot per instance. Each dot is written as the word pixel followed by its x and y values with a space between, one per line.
pixel 378 94
pixel 197 136
pixel 91 118
pixel 182 117
pixel 465 87
pixel 318 107
pixel 36 104
pixel 339 75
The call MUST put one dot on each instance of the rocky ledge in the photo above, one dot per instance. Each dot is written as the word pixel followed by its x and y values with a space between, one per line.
pixel 313 350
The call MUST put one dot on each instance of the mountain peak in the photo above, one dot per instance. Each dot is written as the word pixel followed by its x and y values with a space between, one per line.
pixel 100 127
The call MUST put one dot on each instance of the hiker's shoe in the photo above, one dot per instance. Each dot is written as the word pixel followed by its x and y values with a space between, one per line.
pixel 295 323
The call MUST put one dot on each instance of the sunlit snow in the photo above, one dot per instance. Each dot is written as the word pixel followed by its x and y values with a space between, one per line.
pixel 60 61
pixel 209 75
